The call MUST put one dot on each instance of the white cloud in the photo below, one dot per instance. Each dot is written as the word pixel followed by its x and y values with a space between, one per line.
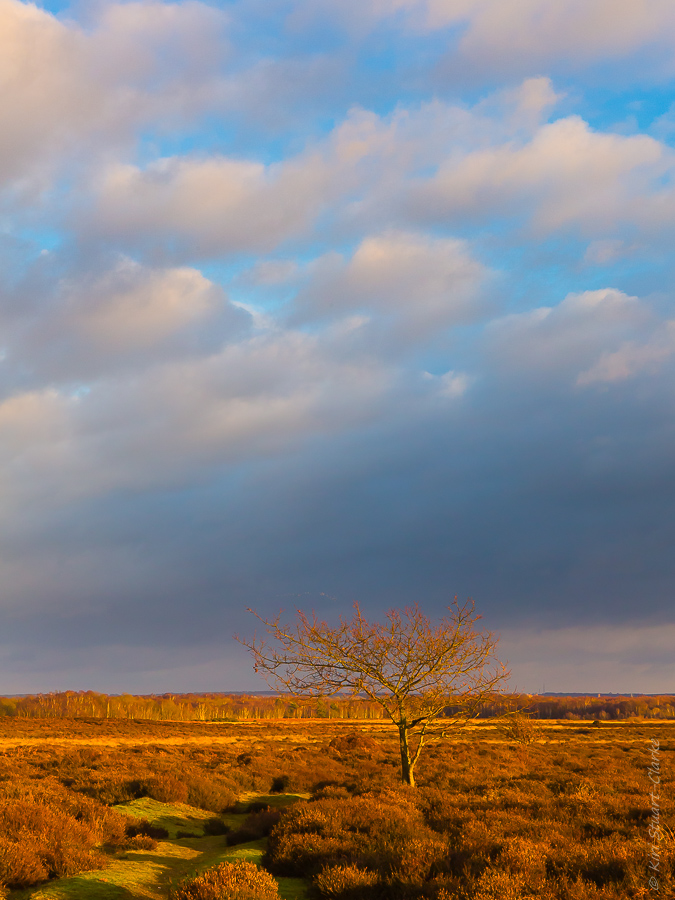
pixel 411 284
pixel 65 91
pixel 358 175
pixel 632 358
pixel 214 205
pixel 131 307
pixel 179 420
pixel 128 316
pixel 564 340
pixel 565 175
pixel 439 164
pixel 522 35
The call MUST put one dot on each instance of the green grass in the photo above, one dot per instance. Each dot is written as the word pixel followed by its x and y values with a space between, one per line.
pixel 174 817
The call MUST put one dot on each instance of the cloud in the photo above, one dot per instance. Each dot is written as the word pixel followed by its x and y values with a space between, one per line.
pixel 564 340
pixel 603 658
pixel 92 324
pixel 179 419
pixel 407 285
pixel 69 90
pixel 566 175
pixel 213 206
pixel 288 307
pixel 437 165
pixel 632 358
pixel 358 175
pixel 516 38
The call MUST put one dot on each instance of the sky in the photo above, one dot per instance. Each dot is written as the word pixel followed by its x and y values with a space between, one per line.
pixel 312 302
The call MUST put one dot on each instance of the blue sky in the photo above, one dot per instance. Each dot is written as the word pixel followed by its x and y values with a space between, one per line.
pixel 304 302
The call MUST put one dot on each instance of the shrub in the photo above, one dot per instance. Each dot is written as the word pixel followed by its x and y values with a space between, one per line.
pixel 208 793
pixel 355 743
pixel 229 881
pixel 40 840
pixel 347 882
pixel 280 784
pixel 145 828
pixel 215 826
pixel 166 788
pixel 496 885
pixel 20 865
pixel 142 842
pixel 382 833
pixel 255 826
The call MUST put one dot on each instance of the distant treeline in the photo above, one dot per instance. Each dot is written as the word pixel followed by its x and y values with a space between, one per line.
pixel 236 707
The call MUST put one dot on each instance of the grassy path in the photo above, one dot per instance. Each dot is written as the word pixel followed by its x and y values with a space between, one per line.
pixel 150 873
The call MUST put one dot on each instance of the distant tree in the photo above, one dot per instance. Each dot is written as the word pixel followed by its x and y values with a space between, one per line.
pixel 427 678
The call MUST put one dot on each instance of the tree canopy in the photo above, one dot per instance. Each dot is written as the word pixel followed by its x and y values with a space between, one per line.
pixel 428 678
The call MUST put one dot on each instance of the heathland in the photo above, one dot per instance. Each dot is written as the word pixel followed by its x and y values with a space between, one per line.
pixel 113 808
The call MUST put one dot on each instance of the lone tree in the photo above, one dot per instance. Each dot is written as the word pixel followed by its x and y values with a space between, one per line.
pixel 427 678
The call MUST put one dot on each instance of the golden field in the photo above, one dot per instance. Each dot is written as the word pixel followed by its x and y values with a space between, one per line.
pixel 565 813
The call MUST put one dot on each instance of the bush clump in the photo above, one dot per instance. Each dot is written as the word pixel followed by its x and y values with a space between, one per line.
pixel 53 837
pixel 256 825
pixel 383 834
pixel 141 842
pixel 142 827
pixel 166 788
pixel 229 881
pixel 215 826
pixel 345 882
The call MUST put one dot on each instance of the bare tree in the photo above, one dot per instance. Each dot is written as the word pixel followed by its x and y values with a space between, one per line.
pixel 428 678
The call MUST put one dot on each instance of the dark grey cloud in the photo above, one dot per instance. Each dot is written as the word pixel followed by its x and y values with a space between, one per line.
pixel 282 324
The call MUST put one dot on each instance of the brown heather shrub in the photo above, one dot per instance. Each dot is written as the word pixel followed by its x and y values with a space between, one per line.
pixel 146 829
pixel 346 882
pixel 256 825
pixel 141 842
pixel 496 885
pixel 210 792
pixel 215 826
pixel 20 865
pixel 385 834
pixel 229 881
pixel 41 841
pixel 166 788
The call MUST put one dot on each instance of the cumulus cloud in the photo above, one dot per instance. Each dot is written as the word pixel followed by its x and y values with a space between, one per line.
pixel 411 285
pixel 565 175
pixel 528 34
pixel 361 173
pixel 213 205
pixel 269 325
pixel 67 88
pixel 257 397
pixel 125 316
pixel 440 164
pixel 563 340
pixel 632 358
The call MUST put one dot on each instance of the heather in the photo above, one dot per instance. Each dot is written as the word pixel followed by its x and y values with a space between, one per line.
pixel 558 810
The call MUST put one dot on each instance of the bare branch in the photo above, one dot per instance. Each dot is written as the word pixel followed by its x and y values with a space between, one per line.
pixel 428 679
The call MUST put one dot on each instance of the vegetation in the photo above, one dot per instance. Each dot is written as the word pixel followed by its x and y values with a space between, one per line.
pixel 566 815
pixel 237 708
pixel 229 881
pixel 427 679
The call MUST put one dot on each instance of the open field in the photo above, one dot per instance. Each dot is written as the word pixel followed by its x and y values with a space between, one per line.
pixel 565 817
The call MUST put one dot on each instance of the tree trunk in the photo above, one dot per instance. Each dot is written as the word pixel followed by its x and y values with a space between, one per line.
pixel 406 762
